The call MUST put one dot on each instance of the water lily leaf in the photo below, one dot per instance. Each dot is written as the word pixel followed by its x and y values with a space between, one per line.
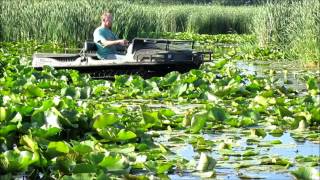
pixel 29 142
pixel 104 120
pixel 284 111
pixel 276 132
pixel 306 173
pixel 224 145
pixel 166 113
pixel 12 161
pixel 315 115
pixel 198 121
pixel 255 115
pixel 82 149
pixel 64 164
pixel 177 139
pixel 35 91
pixel 150 119
pixel 277 141
pixel 261 100
pixel 220 63
pixel 276 161
pixel 247 121
pixel 170 78
pixel 95 157
pixel 125 149
pixel 312 84
pixel 57 148
pixel 136 177
pixel 25 110
pixel 206 162
pixel 210 97
pixel 45 133
pixel 241 122
pixel 124 135
pixel 250 153
pixel 258 132
pixel 218 113
pixel 84 168
pixel 114 163
pixel 85 92
pixel 312 158
pixel 5 130
pixel 159 167
pixel 3 114
pixel 164 168
pixel 178 89
pixel 71 91
pixel 25 159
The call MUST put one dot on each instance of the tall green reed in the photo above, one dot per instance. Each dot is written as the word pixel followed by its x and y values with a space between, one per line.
pixel 292 26
pixel 73 21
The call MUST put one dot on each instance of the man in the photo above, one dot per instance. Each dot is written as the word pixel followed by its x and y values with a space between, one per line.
pixel 106 41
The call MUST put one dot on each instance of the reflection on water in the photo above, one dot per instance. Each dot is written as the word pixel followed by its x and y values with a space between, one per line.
pixel 290 148
pixel 186 151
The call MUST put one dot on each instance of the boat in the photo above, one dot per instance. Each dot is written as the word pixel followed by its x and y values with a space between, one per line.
pixel 144 56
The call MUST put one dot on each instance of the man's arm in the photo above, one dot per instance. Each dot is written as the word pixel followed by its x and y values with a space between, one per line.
pixel 107 43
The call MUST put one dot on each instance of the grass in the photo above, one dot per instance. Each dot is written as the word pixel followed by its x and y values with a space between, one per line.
pixel 75 20
pixel 292 26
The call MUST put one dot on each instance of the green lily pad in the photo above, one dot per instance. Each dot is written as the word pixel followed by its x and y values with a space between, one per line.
pixel 104 120
pixel 198 121
pixel 124 135
pixel 307 173
pixel 206 163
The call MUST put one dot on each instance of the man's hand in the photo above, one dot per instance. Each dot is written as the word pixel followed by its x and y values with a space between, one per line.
pixel 123 42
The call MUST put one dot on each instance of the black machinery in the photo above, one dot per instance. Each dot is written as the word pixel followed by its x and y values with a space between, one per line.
pixel 144 56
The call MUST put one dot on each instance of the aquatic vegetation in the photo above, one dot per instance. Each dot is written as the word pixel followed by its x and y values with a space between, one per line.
pixel 62 124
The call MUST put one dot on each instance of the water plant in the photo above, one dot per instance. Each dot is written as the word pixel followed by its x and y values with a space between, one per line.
pixel 61 124
pixel 292 26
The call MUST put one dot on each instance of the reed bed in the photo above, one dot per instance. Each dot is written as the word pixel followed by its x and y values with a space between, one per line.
pixel 292 26
pixel 73 21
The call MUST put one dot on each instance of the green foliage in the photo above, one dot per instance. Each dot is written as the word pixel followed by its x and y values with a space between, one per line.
pixel 65 22
pixel 306 173
pixel 64 125
pixel 291 25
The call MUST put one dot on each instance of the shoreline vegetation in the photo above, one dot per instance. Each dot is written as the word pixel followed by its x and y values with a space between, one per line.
pixel 291 26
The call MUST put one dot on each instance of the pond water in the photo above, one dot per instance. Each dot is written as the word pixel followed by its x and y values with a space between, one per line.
pixel 288 73
pixel 284 147
pixel 228 168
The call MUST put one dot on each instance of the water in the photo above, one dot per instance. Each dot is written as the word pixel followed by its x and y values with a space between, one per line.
pixel 226 168
pixel 290 74
pixel 288 150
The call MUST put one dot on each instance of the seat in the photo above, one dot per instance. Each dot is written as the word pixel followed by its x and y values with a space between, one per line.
pixel 90 47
